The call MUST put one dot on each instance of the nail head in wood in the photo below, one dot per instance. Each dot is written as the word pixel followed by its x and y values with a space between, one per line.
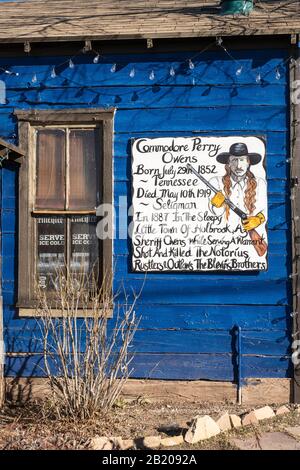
pixel 27 47
pixel 149 43
pixel 87 47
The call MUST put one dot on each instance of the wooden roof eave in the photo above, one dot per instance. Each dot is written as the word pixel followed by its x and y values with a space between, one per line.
pixel 106 20
pixel 235 31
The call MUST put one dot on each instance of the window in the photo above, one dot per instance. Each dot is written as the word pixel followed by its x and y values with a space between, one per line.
pixel 67 173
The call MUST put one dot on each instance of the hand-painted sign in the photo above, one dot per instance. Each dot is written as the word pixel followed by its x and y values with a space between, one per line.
pixel 199 204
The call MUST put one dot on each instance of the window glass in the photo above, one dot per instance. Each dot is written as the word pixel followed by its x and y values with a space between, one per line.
pixel 85 245
pixel 84 169
pixel 51 255
pixel 50 169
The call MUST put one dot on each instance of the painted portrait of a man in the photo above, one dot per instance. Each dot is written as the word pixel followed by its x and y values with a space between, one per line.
pixel 239 184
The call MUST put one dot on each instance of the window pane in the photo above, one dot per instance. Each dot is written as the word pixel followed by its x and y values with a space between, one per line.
pixel 51 250
pixel 50 191
pixel 85 245
pixel 84 169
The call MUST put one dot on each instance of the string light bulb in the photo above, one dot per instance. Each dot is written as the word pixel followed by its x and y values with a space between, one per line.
pixel 71 64
pixel 278 74
pixel 113 68
pixel 132 73
pixel 152 75
pixel 239 71
pixel 258 78
pixel 191 64
pixel 53 73
pixel 96 59
pixel 172 72
pixel 34 78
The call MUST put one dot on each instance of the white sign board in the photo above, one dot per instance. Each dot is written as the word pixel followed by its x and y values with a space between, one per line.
pixel 199 204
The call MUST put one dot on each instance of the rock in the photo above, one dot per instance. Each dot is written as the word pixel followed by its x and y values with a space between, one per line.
pixel 236 421
pixel 249 418
pixel 152 442
pixel 127 444
pixel 294 431
pixel 172 441
pixel 267 441
pixel 203 427
pixel 101 443
pixel 264 413
pixel 224 422
pixel 109 443
pixel 117 442
pixel 282 410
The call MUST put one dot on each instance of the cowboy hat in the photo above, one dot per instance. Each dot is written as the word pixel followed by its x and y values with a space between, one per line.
pixel 239 150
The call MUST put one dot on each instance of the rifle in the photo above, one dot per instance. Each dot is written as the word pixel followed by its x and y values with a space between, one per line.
pixel 258 241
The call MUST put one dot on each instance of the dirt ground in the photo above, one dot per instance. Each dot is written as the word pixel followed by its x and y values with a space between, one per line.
pixel 31 427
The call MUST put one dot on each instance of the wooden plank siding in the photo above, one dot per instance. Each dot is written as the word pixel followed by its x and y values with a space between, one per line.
pixel 186 331
pixel 55 20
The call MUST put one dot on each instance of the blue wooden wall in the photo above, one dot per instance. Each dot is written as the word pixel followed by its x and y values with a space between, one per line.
pixel 187 319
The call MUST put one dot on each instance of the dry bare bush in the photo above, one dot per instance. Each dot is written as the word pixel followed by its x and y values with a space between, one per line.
pixel 87 365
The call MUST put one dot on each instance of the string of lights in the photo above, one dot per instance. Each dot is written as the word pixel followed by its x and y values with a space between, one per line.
pixel 172 70
pixel 71 63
